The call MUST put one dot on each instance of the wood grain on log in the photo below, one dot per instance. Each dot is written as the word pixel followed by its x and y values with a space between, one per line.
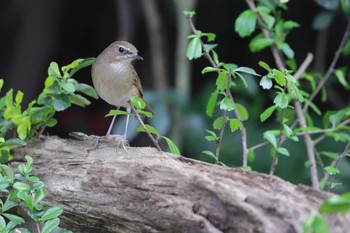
pixel 107 189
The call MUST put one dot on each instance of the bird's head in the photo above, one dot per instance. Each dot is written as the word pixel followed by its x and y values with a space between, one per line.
pixel 121 51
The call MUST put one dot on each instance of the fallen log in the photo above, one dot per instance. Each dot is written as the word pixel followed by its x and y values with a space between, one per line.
pixel 109 189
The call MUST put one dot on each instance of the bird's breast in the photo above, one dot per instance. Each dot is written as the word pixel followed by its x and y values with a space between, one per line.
pixel 113 82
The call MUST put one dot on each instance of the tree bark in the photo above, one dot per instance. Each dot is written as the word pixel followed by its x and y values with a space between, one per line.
pixel 109 189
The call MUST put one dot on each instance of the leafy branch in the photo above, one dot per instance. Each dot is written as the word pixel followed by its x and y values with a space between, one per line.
pixel 224 83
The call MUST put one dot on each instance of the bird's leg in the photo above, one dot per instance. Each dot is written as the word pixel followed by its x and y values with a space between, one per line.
pixel 111 125
pixel 127 121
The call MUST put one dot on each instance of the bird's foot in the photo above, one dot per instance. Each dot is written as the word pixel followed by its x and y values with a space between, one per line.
pixel 120 140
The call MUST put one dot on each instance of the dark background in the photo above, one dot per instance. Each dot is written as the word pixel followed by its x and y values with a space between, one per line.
pixel 36 32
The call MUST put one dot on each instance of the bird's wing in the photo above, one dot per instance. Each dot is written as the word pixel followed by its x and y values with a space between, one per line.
pixel 137 83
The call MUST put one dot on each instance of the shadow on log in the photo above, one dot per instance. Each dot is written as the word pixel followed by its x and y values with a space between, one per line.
pixel 106 189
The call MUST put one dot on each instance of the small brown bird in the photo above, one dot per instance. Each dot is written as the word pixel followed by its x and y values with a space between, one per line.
pixel 115 78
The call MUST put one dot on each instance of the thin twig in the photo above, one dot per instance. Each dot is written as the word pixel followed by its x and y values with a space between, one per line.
pixel 331 67
pixel 346 151
pixel 138 118
pixel 302 68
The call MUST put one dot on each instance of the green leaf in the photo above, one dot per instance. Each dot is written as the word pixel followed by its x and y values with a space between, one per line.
pixel 211 104
pixel 1 83
pixel 39 195
pixel 270 137
pixel 218 122
pixel 329 154
pixel 226 104
pixel 61 102
pixel 8 205
pixel 313 107
pixel 2 222
pixel 281 100
pixel 172 146
pixel 9 99
pixel 150 128
pixel 138 102
pixel 54 71
pixel 290 25
pixel 212 136
pixel 194 49
pixel 51 122
pixel 210 69
pixel 282 151
pixel 14 142
pixel 115 112
pixel 242 78
pixel 19 97
pixel 346 48
pixel 246 70
pixel 145 113
pixel 50 225
pixel 235 124
pixel 268 19
pixel 80 64
pixel 29 160
pixel 49 81
pixel 332 170
pixel 52 213
pixel 221 81
pixel 265 66
pixel 336 204
pixel 316 224
pixel 210 36
pixel 21 186
pixel 245 23
pixel 26 198
pixel 86 89
pixel 323 20
pixel 280 78
pixel 345 5
pixel 38 185
pixel 229 66
pixel 79 100
pixel 267 113
pixel 189 14
pixel 251 156
pixel 210 154
pixel 242 112
pixel 340 74
pixel 259 42
pixel 265 82
pixel 69 87
pixel 14 218
pixel 287 50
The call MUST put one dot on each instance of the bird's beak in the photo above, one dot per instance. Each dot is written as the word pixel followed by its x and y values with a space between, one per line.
pixel 138 57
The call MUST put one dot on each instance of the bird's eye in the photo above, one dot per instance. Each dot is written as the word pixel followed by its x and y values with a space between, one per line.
pixel 121 50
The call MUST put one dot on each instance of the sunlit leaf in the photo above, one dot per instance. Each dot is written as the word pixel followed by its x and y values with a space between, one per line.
pixel 235 124
pixel 267 113
pixel 245 23
pixel 150 128
pixel 265 82
pixel 281 100
pixel 172 146
pixel 270 137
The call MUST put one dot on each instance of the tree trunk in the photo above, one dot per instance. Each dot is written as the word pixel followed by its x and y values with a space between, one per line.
pixel 109 189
